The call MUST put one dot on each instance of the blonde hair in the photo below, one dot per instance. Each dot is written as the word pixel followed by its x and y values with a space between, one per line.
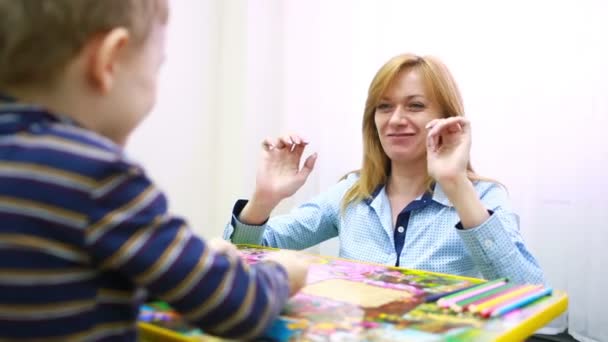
pixel 38 38
pixel 441 88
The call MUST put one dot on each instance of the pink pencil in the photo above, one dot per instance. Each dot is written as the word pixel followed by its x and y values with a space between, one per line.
pixel 486 312
pixel 521 302
pixel 501 299
pixel 448 302
pixel 488 298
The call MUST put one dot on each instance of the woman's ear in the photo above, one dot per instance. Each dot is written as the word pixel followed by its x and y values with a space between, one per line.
pixel 105 53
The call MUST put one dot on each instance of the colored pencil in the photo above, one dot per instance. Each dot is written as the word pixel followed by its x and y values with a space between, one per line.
pixel 462 305
pixel 445 302
pixel 488 310
pixel 522 301
pixel 437 296
pixel 503 298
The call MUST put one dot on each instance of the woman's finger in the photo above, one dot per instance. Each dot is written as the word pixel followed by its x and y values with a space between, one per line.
pixel 284 142
pixel 268 144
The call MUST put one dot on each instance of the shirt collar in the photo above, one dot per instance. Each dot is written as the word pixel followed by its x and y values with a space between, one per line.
pixel 440 197
pixel 11 110
pixel 6 98
pixel 437 195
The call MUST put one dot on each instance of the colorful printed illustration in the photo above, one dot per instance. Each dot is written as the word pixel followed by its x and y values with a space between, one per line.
pixel 352 301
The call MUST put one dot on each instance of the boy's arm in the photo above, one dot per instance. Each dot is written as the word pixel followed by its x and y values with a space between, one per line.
pixel 131 232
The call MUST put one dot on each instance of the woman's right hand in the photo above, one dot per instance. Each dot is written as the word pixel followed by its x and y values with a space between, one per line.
pixel 278 176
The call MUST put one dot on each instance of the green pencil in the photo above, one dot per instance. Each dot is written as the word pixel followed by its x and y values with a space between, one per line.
pixel 461 305
pixel 446 301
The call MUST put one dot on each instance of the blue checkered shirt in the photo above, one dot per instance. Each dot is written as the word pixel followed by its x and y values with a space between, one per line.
pixel 427 236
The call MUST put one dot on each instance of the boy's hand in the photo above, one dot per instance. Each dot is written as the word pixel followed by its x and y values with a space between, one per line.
pixel 296 264
pixel 222 246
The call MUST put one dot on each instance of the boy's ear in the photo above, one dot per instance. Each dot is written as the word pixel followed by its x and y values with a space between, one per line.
pixel 105 55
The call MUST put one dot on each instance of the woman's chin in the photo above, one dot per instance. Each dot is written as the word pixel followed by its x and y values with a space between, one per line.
pixel 404 157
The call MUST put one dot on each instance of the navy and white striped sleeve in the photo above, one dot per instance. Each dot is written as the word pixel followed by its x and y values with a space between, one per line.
pixel 130 231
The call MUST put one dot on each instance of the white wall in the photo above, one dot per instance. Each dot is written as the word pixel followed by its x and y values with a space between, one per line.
pixel 175 141
pixel 533 77
pixel 193 142
pixel 532 74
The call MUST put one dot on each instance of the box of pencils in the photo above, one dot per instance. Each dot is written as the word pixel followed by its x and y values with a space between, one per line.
pixel 492 299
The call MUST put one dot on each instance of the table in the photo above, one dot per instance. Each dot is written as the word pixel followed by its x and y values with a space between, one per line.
pixel 346 300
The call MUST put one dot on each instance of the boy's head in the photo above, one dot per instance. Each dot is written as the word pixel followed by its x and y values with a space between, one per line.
pixel 94 60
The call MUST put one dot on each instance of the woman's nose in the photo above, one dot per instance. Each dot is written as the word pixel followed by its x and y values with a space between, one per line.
pixel 398 116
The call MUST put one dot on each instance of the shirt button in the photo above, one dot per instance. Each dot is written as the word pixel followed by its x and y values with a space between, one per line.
pixel 400 230
pixel 489 243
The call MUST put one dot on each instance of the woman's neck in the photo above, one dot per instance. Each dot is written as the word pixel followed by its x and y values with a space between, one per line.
pixel 407 180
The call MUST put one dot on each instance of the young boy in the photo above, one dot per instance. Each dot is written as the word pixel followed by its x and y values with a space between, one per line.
pixel 81 227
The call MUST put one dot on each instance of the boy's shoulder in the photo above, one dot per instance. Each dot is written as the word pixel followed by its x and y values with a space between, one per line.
pixel 92 150
pixel 84 137
pixel 31 137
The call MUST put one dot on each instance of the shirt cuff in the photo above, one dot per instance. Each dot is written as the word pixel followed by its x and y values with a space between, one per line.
pixel 242 233
pixel 489 242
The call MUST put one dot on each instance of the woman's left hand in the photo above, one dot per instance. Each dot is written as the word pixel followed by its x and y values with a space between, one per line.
pixel 448 146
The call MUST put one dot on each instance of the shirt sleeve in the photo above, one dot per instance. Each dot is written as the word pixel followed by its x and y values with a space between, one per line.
pixel 307 225
pixel 496 245
pixel 132 233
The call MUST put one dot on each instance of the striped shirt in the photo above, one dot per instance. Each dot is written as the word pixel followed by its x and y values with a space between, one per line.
pixel 82 230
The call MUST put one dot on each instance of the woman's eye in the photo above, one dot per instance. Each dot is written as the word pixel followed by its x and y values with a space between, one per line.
pixel 417 106
pixel 383 107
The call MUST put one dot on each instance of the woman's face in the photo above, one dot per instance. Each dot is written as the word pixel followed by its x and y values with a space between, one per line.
pixel 401 117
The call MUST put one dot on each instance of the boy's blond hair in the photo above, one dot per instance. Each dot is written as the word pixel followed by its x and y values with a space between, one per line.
pixel 38 38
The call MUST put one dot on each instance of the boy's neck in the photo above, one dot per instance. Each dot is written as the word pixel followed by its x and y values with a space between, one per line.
pixel 67 102
pixel 52 97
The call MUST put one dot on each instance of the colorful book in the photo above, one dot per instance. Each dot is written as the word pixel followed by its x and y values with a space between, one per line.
pixel 359 301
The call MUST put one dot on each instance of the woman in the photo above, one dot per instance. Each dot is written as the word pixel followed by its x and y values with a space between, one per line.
pixel 415 203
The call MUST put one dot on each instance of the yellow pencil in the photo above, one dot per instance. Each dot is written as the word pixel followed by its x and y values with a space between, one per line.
pixel 500 299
